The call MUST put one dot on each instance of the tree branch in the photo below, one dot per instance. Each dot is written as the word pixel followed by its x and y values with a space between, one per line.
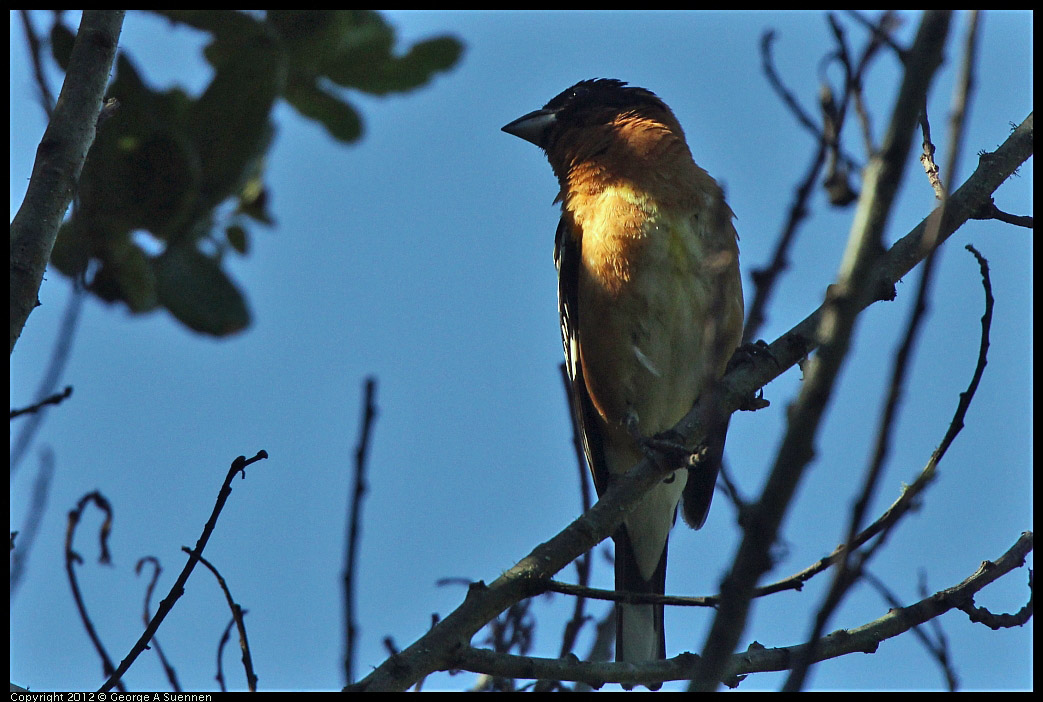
pixel 146 617
pixel 369 415
pixel 844 301
pixel 756 659
pixel 59 159
pixel 238 466
pixel 237 617
pixel 55 399
pixel 851 565
pixel 72 558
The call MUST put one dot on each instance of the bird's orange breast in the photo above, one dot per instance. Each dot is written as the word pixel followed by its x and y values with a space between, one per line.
pixel 645 291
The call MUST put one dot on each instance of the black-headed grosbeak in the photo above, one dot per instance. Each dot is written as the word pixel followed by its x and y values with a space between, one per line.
pixel 651 309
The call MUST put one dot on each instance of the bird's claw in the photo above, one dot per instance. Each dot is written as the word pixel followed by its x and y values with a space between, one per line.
pixel 668 448
pixel 749 351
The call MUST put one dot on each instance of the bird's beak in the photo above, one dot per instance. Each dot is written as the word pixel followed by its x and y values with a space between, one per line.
pixel 533 127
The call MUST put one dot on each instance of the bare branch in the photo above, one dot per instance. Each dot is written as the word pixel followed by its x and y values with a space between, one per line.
pixel 72 558
pixel 582 591
pixel 851 566
pixel 853 289
pixel 55 399
pixel 836 181
pixel 880 36
pixel 787 96
pixel 59 159
pixel 33 518
pixel 757 659
pixel 226 636
pixel 881 33
pixel 35 55
pixel 237 618
pixel 962 94
pixel 146 616
pixel 990 211
pixel 369 415
pixel 55 369
pixel 927 157
pixel 981 615
pixel 937 649
pixel 238 466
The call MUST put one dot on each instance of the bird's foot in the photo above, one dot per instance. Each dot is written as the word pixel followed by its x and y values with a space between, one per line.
pixel 667 448
pixel 748 352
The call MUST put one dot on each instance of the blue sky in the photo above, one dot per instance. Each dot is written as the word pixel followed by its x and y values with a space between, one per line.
pixel 422 255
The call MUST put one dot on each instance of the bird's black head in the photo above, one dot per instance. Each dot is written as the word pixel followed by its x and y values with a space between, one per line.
pixel 587 103
pixel 600 93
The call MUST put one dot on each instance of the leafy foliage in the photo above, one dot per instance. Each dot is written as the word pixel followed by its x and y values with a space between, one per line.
pixel 169 164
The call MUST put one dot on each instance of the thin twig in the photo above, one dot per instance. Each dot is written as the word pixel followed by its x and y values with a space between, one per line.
pixel 765 278
pixel 146 616
pixel 837 182
pixel 927 157
pixel 56 364
pixel 756 659
pixel 238 466
pixel 846 298
pixel 36 55
pixel 990 211
pixel 55 399
pixel 939 645
pixel 935 649
pixel 958 115
pixel 880 34
pixel 71 558
pixel 852 566
pixel 981 615
pixel 369 414
pixel 33 518
pixel 226 636
pixel 787 96
pixel 583 591
pixel 513 629
pixel 237 617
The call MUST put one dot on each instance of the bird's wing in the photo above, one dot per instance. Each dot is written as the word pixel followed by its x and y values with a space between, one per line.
pixel 567 256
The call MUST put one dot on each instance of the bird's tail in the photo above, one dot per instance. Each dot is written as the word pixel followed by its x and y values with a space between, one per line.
pixel 639 628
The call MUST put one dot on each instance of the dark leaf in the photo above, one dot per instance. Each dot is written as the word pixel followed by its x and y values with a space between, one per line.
pixel 142 172
pixel 237 238
pixel 433 55
pixel 230 122
pixel 198 293
pixel 160 180
pixel 381 73
pixel 62 39
pixel 219 23
pixel 125 275
pixel 71 251
pixel 167 160
pixel 339 118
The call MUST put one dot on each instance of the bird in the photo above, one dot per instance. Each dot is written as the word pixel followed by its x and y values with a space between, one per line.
pixel 651 309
